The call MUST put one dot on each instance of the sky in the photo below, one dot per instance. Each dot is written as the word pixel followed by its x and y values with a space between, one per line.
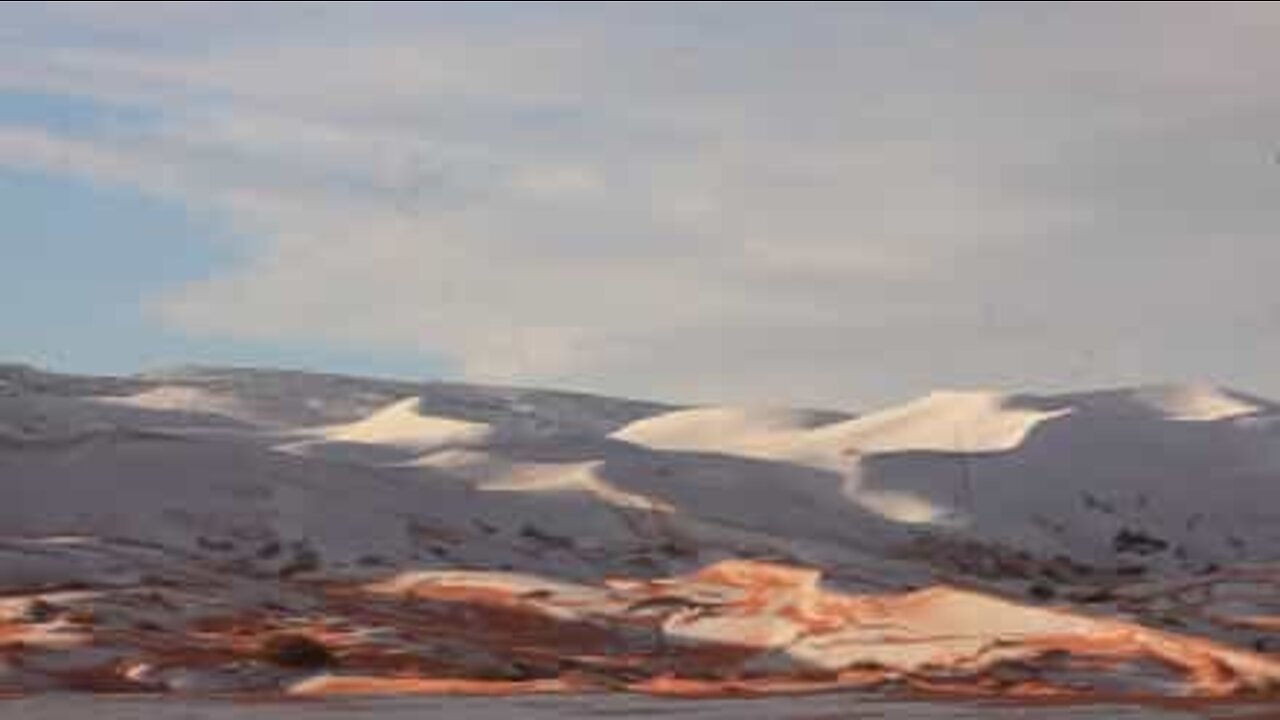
pixel 797 203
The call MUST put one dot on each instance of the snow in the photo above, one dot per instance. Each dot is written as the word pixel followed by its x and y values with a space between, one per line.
pixel 254 480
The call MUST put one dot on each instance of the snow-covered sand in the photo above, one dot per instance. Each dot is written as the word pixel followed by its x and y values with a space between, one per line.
pixel 453 538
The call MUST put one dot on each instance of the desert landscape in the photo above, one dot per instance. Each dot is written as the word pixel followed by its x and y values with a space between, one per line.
pixel 257 534
pixel 698 360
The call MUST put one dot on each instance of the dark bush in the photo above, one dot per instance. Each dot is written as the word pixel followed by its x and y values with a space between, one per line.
pixel 1136 541
pixel 42 611
pixel 1095 596
pixel 294 650
pixel 1042 591
pixel 305 559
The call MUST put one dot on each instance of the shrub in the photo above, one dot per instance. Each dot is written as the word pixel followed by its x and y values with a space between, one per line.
pixel 294 650
pixel 1042 591
pixel 42 611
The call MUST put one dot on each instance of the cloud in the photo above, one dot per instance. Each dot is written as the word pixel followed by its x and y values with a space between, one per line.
pixel 796 203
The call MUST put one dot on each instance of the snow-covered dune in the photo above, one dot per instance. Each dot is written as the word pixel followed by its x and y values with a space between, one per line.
pixel 219 490
pixel 1193 469
pixel 404 425
pixel 730 430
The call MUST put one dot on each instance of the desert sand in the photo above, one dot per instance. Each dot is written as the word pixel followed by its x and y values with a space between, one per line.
pixel 159 531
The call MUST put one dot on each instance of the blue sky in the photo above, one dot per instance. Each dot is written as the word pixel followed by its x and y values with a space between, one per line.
pixel 779 202
pixel 80 305
pixel 81 260
pixel 88 256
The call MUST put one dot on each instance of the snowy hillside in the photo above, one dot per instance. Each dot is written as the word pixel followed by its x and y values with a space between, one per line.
pixel 155 523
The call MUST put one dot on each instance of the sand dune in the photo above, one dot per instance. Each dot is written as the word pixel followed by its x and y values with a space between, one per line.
pixel 963 542
pixel 969 422
pixel 735 431
pixel 403 424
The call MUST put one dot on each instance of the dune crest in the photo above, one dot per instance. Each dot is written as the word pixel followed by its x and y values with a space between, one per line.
pixel 403 424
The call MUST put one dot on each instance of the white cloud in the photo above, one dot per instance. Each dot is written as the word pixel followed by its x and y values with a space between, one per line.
pixel 794 204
